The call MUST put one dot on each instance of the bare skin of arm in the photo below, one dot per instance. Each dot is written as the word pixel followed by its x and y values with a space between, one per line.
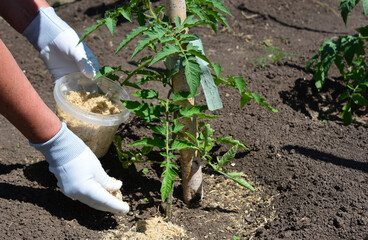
pixel 20 103
pixel 19 13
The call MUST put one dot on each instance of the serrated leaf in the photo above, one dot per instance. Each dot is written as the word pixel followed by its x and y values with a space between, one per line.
pixel 195 9
pixel 228 156
pixel 146 94
pixel 193 75
pixel 155 142
pixel 365 6
pixel 190 111
pixel 346 114
pixel 196 52
pixel 167 184
pixel 235 174
pixel 363 30
pixel 130 36
pixel 182 144
pixel 166 51
pixel 350 46
pixel 107 70
pixel 219 5
pixel 217 68
pixel 344 95
pixel 243 183
pixel 346 6
pixel 359 99
pixel 245 98
pixel 239 82
pixel 179 96
pixel 176 128
pixel 230 141
pixel 89 30
pixel 153 34
pixel 111 24
pixel 158 129
pixel 126 13
pixel 217 16
pixel 207 116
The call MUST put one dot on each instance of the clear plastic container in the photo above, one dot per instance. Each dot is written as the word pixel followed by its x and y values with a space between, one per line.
pixel 96 130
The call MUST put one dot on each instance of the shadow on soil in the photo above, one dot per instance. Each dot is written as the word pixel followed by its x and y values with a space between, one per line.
pixel 328 158
pixel 265 16
pixel 53 200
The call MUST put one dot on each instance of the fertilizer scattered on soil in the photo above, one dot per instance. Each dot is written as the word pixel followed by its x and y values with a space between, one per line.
pixel 156 228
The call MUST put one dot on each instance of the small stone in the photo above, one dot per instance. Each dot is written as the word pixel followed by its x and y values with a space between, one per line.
pixel 338 222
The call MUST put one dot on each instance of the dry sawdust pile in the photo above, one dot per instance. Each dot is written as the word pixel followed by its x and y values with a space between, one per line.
pixel 156 228
pixel 93 102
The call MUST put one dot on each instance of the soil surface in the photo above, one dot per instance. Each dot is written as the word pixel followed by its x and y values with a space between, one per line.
pixel 310 172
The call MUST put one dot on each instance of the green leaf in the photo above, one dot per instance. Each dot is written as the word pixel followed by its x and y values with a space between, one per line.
pixel 111 24
pixel 219 5
pixel 155 142
pixel 166 51
pixel 126 13
pixel 146 94
pixel 346 6
pixel 346 114
pixel 176 128
pixel 363 30
pixel 359 99
pixel 89 30
pixel 217 69
pixel 180 96
pixel 167 184
pixel 245 98
pixel 190 111
pixel 193 75
pixel 351 45
pixel 239 82
pixel 154 33
pixel 196 52
pixel 243 183
pixel 327 54
pixel 217 16
pixel 235 174
pixel 230 141
pixel 311 61
pixel 344 95
pixel 182 144
pixel 365 6
pixel 106 71
pixel 228 156
pixel 198 11
pixel 207 116
pixel 130 36
pixel 158 129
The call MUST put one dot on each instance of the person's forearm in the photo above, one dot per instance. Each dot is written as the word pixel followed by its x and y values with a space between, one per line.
pixel 20 103
pixel 20 13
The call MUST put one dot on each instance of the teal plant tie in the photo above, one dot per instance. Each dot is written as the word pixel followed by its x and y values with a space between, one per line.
pixel 208 85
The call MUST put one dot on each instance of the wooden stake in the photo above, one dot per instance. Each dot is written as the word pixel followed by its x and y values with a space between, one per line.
pixel 191 169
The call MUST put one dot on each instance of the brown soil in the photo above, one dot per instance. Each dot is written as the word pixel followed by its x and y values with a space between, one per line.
pixel 310 177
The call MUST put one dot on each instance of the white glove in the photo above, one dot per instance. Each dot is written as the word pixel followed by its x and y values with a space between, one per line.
pixel 58 45
pixel 79 173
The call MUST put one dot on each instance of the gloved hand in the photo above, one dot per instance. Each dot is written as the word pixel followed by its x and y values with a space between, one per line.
pixel 58 45
pixel 79 173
